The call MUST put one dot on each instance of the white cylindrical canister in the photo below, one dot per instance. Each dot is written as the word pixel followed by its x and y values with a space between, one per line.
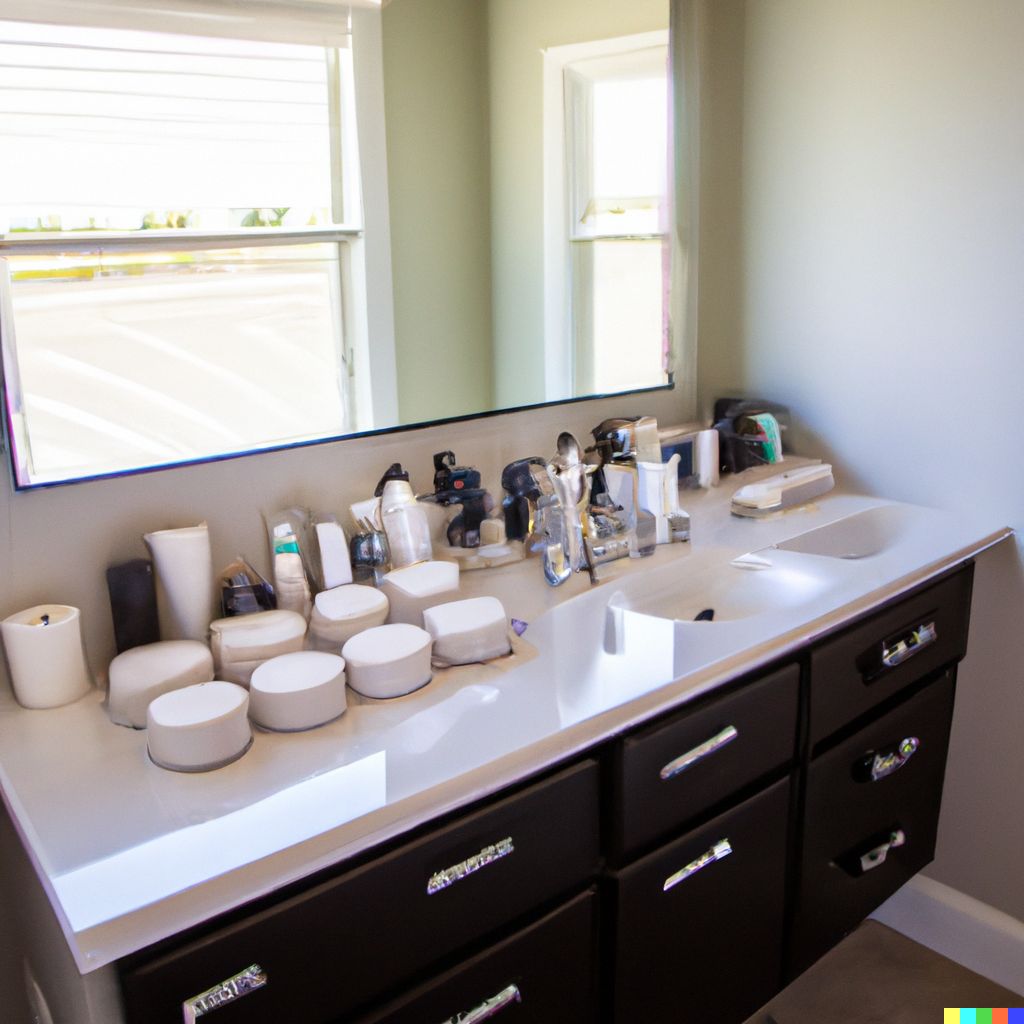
pixel 46 656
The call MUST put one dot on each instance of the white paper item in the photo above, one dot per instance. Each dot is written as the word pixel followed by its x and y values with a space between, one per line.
pixel 334 556
pixel 184 581
pixel 46 656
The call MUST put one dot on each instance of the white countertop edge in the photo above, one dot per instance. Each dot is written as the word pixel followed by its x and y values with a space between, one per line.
pixel 103 943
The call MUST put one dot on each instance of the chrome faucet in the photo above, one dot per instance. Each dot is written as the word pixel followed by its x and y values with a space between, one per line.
pixel 561 512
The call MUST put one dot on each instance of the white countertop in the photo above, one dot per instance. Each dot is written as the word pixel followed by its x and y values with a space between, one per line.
pixel 129 853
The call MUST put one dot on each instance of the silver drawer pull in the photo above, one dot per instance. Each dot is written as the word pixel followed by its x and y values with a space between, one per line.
pixel 488 855
pixel 489 1007
pixel 898 651
pixel 691 757
pixel 242 984
pixel 875 857
pixel 719 851
pixel 885 764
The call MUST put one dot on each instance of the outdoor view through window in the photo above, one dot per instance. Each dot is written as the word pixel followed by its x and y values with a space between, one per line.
pixel 156 313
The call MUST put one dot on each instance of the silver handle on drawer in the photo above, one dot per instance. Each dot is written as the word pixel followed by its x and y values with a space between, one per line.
pixel 885 764
pixel 691 757
pixel 489 1007
pixel 876 856
pixel 488 855
pixel 719 851
pixel 898 651
pixel 241 984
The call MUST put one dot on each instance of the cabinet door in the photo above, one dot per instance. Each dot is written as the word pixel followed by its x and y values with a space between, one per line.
pixel 871 818
pixel 699 921
pixel 544 974
pixel 669 774
pixel 342 944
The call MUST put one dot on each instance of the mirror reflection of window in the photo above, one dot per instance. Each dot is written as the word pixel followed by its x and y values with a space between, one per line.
pixel 616 124
pixel 173 237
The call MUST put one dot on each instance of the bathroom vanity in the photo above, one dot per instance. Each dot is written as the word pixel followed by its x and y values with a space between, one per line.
pixel 634 817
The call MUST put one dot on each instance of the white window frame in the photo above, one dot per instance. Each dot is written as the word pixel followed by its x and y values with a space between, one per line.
pixel 559 343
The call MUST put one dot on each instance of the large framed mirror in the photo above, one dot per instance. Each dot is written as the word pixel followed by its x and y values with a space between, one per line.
pixel 215 246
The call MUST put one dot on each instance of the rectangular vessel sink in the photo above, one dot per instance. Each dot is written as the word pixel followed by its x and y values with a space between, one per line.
pixel 859 535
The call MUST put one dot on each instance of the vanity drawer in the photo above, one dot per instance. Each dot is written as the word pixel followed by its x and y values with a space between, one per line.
pixel 700 920
pixel 875 796
pixel 893 648
pixel 666 775
pixel 346 941
pixel 545 974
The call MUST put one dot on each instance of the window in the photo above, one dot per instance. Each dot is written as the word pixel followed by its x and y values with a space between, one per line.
pixel 176 235
pixel 612 234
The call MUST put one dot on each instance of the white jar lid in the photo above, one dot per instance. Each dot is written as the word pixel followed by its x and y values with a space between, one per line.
pixel 351 601
pixel 388 661
pixel 141 674
pixel 297 691
pixel 200 727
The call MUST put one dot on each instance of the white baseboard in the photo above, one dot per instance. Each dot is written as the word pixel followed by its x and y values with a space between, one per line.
pixel 966 930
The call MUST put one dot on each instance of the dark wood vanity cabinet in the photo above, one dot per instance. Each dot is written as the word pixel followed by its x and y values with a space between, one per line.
pixel 338 947
pixel 881 707
pixel 679 873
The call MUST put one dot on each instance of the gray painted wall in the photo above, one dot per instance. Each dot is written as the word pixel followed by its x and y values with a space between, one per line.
pixel 865 265
pixel 438 141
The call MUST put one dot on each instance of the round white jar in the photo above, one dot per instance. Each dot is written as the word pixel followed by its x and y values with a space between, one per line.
pixel 388 661
pixel 297 691
pixel 199 728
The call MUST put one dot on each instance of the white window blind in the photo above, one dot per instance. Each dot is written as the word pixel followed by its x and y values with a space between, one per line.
pixel 112 127
pixel 313 22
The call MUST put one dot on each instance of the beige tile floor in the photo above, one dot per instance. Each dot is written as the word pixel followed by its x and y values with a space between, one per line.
pixel 877 976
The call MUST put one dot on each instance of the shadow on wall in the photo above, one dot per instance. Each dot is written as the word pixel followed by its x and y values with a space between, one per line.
pixel 980 836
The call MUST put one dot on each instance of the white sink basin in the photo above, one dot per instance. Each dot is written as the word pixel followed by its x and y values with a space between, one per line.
pixel 859 535
pixel 730 592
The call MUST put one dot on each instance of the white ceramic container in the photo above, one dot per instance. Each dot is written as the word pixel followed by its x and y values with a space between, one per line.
pixel 463 632
pixel 297 691
pixel 388 661
pixel 45 654
pixel 416 587
pixel 199 728
pixel 241 643
pixel 340 613
pixel 141 674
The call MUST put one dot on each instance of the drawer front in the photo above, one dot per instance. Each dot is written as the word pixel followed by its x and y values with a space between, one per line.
pixel 544 974
pixel 892 649
pixel 872 814
pixel 665 776
pixel 700 923
pixel 345 942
